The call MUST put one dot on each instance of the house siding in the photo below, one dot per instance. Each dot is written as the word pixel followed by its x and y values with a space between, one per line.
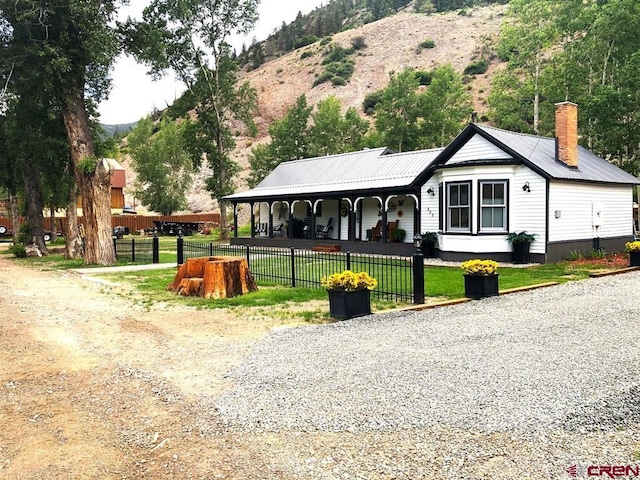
pixel 478 148
pixel 430 212
pixel 525 210
pixel 574 202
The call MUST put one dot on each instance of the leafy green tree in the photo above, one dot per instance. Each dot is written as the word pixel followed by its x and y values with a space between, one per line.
pixel 66 48
pixel 524 43
pixel 446 107
pixel 397 112
pixel 163 166
pixel 288 142
pixel 331 133
pixel 190 38
pixel 585 52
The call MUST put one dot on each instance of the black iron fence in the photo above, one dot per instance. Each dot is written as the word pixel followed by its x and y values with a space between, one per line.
pixel 137 250
pixel 305 268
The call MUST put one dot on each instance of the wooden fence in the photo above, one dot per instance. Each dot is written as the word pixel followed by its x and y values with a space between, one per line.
pixel 133 222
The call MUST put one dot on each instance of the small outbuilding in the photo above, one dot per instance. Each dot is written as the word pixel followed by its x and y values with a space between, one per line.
pixel 486 184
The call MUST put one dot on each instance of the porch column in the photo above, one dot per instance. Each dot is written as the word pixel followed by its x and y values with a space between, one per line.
pixel 290 229
pixel 270 219
pixel 235 220
pixel 417 216
pixel 253 220
pixel 313 220
pixel 384 220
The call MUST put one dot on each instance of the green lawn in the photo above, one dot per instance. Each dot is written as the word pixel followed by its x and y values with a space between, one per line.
pixel 442 282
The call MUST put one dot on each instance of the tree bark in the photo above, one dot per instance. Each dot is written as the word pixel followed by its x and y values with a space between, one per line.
pixel 73 241
pixel 94 182
pixel 213 277
pixel 34 204
pixel 15 218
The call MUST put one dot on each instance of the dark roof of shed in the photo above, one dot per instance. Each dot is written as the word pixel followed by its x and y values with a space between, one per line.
pixel 364 170
pixel 539 153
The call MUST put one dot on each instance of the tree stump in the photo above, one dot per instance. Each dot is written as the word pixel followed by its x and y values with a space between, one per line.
pixel 214 277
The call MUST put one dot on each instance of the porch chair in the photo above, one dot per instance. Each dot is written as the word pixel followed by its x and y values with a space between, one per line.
pixel 306 230
pixel 277 231
pixel 261 229
pixel 323 230
pixel 376 232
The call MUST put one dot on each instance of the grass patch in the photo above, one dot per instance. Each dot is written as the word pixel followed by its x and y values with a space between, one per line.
pixel 448 282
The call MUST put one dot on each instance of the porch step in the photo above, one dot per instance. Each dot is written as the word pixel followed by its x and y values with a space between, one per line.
pixel 327 248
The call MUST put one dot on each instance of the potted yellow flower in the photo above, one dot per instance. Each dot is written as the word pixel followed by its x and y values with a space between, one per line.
pixel 480 278
pixel 349 293
pixel 633 248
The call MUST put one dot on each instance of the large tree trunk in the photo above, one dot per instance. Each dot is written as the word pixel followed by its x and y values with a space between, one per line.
pixel 93 178
pixel 15 218
pixel 73 244
pixel 33 201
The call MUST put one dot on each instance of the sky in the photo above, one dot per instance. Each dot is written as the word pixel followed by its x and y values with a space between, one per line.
pixel 134 95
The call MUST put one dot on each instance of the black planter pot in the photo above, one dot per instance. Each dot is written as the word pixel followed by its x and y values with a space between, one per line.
pixel 480 286
pixel 428 250
pixel 344 305
pixel 634 259
pixel 520 252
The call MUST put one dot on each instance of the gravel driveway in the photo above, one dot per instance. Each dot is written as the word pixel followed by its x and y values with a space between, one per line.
pixel 560 360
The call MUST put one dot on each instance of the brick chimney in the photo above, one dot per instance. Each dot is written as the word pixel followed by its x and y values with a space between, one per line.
pixel 567 133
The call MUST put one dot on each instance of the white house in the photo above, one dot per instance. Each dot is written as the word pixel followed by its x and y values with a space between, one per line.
pixel 486 183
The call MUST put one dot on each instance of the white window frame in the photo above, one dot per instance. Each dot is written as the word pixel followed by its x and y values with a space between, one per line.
pixel 450 208
pixel 492 206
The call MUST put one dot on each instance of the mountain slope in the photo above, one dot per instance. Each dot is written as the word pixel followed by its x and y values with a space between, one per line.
pixel 393 44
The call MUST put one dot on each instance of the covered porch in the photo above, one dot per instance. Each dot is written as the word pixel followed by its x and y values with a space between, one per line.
pixel 364 201
pixel 382 224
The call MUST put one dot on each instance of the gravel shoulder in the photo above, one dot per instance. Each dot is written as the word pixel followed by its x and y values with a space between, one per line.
pixel 521 386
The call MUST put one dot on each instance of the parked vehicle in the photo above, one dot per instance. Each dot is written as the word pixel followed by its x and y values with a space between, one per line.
pixel 176 228
pixel 120 231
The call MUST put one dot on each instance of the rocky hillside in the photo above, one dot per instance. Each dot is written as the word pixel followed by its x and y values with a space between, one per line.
pixel 392 44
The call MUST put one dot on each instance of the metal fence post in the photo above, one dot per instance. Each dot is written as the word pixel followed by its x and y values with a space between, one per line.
pixel 248 257
pixel 115 246
pixel 180 251
pixel 348 260
pixel 156 249
pixel 418 277
pixel 293 267
pixel 211 249
pixel 133 250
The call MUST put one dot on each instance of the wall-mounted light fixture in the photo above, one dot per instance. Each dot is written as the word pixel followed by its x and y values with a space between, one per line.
pixel 431 192
pixel 526 187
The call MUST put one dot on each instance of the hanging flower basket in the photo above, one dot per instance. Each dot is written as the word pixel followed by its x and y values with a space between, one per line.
pixel 349 294
pixel 480 279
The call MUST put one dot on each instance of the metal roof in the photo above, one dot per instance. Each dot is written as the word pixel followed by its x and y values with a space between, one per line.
pixel 373 169
pixel 541 153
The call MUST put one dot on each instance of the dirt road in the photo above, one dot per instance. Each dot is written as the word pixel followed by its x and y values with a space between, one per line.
pixel 93 386
pixel 96 387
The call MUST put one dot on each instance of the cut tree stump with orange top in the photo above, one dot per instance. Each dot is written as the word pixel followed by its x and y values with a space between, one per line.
pixel 214 277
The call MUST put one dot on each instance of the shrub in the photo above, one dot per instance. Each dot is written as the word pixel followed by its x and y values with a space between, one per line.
pixel 428 43
pixel 304 41
pixel 480 267
pixel 306 54
pixel 477 68
pixel 424 77
pixel 358 43
pixel 338 81
pixel 326 41
pixel 370 101
pixel 336 53
pixel 18 251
